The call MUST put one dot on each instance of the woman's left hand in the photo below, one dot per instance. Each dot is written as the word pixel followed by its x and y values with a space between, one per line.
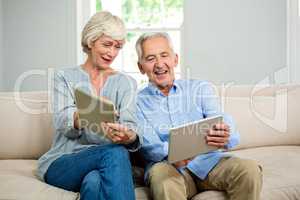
pixel 118 133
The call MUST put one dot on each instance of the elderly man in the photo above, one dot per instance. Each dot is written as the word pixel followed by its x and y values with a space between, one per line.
pixel 166 103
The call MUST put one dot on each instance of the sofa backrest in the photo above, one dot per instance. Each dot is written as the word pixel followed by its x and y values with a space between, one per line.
pixel 26 125
pixel 264 115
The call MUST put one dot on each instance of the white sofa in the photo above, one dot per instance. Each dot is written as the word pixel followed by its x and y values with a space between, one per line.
pixel 267 119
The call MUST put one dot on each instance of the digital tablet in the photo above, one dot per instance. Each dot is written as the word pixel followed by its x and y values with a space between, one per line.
pixel 93 110
pixel 188 140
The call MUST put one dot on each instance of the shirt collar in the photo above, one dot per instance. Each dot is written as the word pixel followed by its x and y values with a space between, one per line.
pixel 154 90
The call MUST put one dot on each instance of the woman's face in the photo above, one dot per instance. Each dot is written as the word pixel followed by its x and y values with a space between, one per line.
pixel 104 50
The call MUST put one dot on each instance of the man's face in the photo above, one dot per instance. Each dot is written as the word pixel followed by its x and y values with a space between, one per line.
pixel 158 62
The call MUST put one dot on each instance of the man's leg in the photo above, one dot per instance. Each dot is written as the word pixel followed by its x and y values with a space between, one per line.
pixel 166 183
pixel 240 178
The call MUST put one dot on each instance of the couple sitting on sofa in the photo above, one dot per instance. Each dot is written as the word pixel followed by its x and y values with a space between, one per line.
pixel 99 168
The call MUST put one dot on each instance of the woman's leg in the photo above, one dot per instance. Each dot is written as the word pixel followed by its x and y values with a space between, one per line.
pixel 117 183
pixel 91 186
pixel 111 162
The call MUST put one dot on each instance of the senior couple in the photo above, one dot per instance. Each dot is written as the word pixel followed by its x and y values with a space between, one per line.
pixel 99 168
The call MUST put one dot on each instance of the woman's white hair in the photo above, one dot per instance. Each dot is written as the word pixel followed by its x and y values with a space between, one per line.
pixel 102 23
pixel 146 36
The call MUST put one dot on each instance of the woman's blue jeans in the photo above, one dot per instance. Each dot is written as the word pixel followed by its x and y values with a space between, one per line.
pixel 98 173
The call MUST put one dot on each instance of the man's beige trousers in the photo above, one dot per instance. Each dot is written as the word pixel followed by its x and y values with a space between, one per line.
pixel 241 179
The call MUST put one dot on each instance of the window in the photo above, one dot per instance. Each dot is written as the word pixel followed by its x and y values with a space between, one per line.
pixel 144 16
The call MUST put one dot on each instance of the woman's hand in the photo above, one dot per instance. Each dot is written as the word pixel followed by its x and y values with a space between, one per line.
pixel 76 120
pixel 118 133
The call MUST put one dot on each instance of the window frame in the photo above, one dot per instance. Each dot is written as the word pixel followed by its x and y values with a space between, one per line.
pixel 120 59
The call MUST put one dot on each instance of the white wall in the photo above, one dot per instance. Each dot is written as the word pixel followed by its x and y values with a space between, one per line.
pixel 85 9
pixel 294 40
pixel 1 46
pixel 38 34
pixel 235 41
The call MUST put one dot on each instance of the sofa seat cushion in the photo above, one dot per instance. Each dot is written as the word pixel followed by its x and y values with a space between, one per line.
pixel 18 181
pixel 281 177
pixel 142 193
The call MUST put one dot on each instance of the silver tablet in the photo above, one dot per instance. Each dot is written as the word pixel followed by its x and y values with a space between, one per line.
pixel 188 140
pixel 93 110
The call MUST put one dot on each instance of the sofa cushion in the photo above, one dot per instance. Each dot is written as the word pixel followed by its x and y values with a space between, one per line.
pixel 266 117
pixel 138 176
pixel 26 125
pixel 142 193
pixel 281 179
pixel 17 181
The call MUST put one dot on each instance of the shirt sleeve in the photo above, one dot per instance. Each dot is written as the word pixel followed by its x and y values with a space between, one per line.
pixel 127 111
pixel 211 106
pixel 63 107
pixel 234 138
pixel 153 148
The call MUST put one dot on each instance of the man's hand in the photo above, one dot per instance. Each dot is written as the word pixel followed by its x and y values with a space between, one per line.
pixel 218 135
pixel 181 163
pixel 118 133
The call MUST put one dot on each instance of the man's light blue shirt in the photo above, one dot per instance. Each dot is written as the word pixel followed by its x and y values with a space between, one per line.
pixel 188 101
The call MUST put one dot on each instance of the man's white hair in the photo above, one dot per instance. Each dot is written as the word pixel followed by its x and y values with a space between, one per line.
pixel 146 36
pixel 102 23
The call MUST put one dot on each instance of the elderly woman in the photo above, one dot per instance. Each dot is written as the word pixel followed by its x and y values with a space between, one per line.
pixel 80 160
